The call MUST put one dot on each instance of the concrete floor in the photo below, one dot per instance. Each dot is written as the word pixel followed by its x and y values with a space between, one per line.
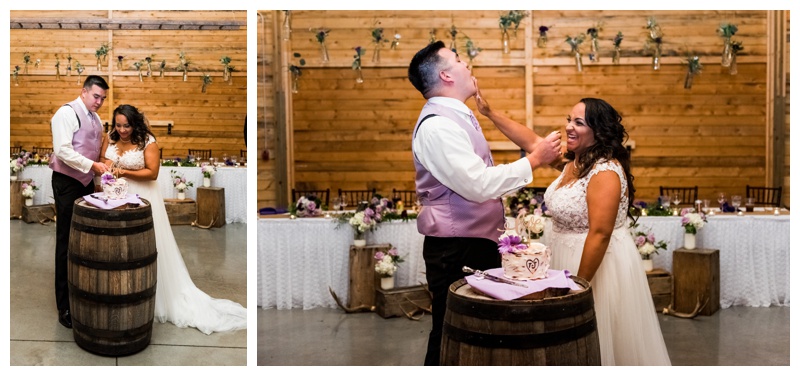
pixel 737 336
pixel 217 262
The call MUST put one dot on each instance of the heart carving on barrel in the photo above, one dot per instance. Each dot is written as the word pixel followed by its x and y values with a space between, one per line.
pixel 532 265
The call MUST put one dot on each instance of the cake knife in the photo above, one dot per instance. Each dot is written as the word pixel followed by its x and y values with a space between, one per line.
pixel 481 274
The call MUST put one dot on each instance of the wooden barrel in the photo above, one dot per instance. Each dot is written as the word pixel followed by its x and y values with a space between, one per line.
pixel 112 278
pixel 481 331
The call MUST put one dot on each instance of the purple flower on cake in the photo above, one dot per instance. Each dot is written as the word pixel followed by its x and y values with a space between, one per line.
pixel 107 178
pixel 511 244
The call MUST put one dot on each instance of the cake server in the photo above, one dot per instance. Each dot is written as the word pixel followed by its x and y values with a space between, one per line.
pixel 481 275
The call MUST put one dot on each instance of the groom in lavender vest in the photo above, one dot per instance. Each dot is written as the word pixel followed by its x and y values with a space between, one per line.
pixel 457 181
pixel 77 138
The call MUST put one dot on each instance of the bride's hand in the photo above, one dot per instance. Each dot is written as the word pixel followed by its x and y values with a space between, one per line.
pixel 483 106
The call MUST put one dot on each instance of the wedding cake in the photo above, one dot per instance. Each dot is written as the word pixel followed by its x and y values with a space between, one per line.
pixel 523 257
pixel 113 188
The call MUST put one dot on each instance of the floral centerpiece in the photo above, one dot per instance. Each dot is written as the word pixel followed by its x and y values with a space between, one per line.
pixel 17 164
pixel 617 42
pixel 38 160
pixel 691 222
pixel 180 183
pixel 357 64
pixel 646 243
pixel 307 207
pixel 208 170
pixel 654 41
pixel 575 44
pixel 655 209
pixel 694 68
pixel 525 201
pixel 363 221
pixel 507 20
pixel 386 265
pixel 28 191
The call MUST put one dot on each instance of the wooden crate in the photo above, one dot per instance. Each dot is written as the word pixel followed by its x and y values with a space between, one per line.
pixel 38 213
pixel 396 302
pixel 696 274
pixel 660 282
pixel 181 212
pixel 211 206
pixel 17 201
pixel 363 278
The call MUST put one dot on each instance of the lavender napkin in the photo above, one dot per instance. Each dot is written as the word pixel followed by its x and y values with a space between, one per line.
pixel 504 291
pixel 96 199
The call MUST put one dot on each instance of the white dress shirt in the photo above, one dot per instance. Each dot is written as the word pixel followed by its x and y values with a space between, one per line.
pixel 63 125
pixel 445 149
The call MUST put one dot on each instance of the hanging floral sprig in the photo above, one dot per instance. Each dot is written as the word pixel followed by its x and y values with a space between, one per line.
pixel 507 20
pixel 120 59
pixel 138 66
pixel 296 70
pixel 736 46
pixel 161 68
pixel 16 75
pixel 79 68
pixel 431 36
pixel 101 54
pixel 726 31
pixel 378 40
pixel 69 65
pixel 453 34
pixel 617 42
pixel 148 61
pixel 654 41
pixel 542 41
pixel 321 34
pixel 226 66
pixel 26 57
pixel 694 68
pixel 206 81
pixel 58 68
pixel 575 44
pixel 472 50
pixel 357 64
pixel 183 66
pixel 36 64
pixel 594 55
pixel 395 41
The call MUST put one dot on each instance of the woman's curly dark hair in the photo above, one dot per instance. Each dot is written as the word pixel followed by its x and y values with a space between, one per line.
pixel 610 137
pixel 138 123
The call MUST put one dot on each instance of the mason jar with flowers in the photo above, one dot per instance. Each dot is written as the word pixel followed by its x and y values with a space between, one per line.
pixel 180 183
pixel 208 171
pixel 310 206
pixel 362 222
pixel 386 265
pixel 646 244
pixel 691 222
pixel 28 191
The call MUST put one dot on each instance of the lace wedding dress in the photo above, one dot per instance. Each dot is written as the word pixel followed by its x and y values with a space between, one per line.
pixel 178 300
pixel 627 325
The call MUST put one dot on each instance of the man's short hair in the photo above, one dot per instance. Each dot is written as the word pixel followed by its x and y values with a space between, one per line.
pixel 95 81
pixel 423 72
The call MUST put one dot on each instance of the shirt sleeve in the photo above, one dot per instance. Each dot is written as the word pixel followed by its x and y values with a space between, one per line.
pixel 446 151
pixel 63 125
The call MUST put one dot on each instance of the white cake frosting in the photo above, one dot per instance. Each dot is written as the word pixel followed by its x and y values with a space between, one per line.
pixel 116 190
pixel 527 264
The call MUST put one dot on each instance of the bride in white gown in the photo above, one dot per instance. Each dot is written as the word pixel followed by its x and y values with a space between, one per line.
pixel 590 237
pixel 131 148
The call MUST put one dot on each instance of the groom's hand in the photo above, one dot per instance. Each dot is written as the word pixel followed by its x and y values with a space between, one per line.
pixel 99 168
pixel 547 151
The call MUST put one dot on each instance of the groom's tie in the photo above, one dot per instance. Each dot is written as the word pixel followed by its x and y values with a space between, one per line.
pixel 474 121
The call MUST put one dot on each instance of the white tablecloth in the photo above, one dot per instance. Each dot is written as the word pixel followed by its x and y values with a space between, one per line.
pixel 299 259
pixel 234 180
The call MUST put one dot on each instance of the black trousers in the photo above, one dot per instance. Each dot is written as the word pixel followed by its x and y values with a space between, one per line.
pixel 444 258
pixel 65 191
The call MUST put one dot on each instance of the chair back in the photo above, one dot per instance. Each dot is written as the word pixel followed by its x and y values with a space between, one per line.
pixel 15 150
pixel 354 197
pixel 200 153
pixel 688 194
pixel 42 151
pixel 765 195
pixel 322 195
pixel 408 197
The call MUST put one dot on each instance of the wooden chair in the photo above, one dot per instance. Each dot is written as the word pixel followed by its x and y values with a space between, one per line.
pixel 242 153
pixel 42 151
pixel 356 196
pixel 688 194
pixel 323 196
pixel 765 195
pixel 200 153
pixel 15 150
pixel 408 197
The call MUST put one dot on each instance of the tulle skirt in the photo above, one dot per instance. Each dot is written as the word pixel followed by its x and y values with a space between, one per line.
pixel 178 300
pixel 627 324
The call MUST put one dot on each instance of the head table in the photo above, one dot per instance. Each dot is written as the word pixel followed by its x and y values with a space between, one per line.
pixel 299 259
pixel 233 179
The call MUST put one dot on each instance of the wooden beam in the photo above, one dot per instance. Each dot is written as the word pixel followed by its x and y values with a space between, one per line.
pixel 123 24
pixel 776 97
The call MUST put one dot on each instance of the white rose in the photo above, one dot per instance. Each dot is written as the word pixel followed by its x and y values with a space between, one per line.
pixel 181 186
pixel 647 248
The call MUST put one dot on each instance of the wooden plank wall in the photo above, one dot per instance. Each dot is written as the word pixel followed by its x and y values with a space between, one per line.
pixel 357 136
pixel 267 187
pixel 213 120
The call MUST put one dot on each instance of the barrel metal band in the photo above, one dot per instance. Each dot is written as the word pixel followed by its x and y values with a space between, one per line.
pixel 115 265
pixel 112 334
pixel 519 312
pixel 519 341
pixel 113 215
pixel 112 231
pixel 127 299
